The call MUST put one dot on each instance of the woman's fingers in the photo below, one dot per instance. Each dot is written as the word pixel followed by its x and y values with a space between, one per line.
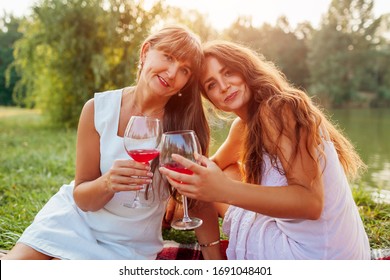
pixel 182 188
pixel 175 177
pixel 128 175
pixel 132 180
pixel 202 160
pixel 120 187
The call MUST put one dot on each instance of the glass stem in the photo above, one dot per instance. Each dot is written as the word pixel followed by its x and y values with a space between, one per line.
pixel 137 201
pixel 186 218
pixel 136 198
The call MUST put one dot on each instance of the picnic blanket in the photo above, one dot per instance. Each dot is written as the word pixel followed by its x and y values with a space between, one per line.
pixel 175 251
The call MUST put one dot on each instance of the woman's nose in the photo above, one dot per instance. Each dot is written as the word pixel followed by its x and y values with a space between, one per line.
pixel 225 86
pixel 172 70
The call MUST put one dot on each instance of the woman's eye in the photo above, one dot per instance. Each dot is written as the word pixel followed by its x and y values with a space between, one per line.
pixel 185 71
pixel 210 86
pixel 168 57
pixel 228 73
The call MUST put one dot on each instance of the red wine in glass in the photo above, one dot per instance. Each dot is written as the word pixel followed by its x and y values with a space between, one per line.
pixel 184 143
pixel 178 168
pixel 143 155
pixel 174 166
pixel 141 139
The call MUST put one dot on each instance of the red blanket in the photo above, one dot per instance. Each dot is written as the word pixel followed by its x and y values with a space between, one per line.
pixel 175 251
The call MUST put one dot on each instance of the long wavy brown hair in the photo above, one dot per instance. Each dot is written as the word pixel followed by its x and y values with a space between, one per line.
pixel 184 112
pixel 271 96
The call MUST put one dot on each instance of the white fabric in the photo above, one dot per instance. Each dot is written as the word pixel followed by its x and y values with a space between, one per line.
pixel 64 231
pixel 337 234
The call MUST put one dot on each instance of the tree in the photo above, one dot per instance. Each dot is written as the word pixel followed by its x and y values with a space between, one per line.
pixel 73 48
pixel 279 44
pixel 8 35
pixel 342 50
pixel 197 22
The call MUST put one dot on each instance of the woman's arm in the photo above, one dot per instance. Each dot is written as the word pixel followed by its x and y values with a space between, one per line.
pixel 229 151
pixel 208 233
pixel 302 197
pixel 92 189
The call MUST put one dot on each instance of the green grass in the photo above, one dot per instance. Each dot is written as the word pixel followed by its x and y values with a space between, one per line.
pixel 35 160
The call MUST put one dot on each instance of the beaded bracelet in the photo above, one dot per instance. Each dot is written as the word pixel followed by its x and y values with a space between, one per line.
pixel 210 244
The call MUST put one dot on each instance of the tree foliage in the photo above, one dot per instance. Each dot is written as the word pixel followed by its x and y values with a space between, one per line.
pixel 69 49
pixel 286 47
pixel 73 48
pixel 344 52
pixel 8 35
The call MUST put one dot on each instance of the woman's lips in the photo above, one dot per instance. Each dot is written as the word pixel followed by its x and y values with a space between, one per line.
pixel 231 96
pixel 163 82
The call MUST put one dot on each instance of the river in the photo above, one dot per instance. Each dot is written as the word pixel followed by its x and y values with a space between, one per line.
pixel 369 131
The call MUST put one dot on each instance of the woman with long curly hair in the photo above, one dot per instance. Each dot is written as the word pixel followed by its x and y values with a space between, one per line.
pixel 292 199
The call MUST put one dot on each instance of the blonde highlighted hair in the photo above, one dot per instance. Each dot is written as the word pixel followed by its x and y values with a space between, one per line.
pixel 184 112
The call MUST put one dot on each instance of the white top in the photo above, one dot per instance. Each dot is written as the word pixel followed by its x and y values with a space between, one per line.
pixel 337 234
pixel 64 231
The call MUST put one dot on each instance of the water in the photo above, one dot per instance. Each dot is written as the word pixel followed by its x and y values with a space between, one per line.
pixel 369 131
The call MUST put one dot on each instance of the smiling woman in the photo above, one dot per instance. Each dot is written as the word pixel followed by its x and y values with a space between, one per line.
pixel 89 211
pixel 294 163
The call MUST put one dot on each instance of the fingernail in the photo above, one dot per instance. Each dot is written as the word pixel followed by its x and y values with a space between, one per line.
pixel 150 174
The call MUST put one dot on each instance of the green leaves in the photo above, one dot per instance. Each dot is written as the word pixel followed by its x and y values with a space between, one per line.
pixel 72 49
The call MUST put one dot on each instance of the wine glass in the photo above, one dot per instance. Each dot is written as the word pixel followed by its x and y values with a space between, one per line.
pixel 184 143
pixel 141 139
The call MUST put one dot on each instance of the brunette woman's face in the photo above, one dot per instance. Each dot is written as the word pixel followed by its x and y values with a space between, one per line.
pixel 162 73
pixel 225 87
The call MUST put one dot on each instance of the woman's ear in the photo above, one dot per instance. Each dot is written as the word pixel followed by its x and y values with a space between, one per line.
pixel 144 50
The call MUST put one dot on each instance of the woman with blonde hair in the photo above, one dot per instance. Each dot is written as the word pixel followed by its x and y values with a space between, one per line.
pixel 86 219
pixel 294 200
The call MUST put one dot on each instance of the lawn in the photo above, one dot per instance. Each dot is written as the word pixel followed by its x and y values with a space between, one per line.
pixel 37 159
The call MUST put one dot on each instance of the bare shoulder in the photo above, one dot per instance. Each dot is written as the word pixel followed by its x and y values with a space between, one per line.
pixel 89 106
pixel 87 113
pixel 237 130
pixel 229 151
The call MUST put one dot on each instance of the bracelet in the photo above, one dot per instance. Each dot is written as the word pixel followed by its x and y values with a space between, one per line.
pixel 210 244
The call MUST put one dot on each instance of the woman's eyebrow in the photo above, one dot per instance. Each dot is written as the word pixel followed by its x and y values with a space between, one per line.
pixel 223 68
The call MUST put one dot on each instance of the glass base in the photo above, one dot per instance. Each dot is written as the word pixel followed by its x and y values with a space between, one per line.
pixel 184 225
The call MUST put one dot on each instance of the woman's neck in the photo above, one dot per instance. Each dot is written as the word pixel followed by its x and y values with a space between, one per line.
pixel 144 105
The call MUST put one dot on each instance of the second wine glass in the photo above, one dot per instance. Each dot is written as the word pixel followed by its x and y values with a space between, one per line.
pixel 141 139
pixel 184 143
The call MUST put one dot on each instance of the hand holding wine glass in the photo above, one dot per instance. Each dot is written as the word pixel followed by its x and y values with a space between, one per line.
pixel 184 143
pixel 141 139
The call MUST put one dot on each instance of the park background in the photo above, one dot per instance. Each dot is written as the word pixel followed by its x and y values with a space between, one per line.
pixel 53 59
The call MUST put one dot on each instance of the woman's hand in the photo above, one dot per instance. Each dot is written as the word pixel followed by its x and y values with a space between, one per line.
pixel 206 183
pixel 128 175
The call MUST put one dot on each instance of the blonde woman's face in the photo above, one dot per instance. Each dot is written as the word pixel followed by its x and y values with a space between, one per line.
pixel 163 73
pixel 225 87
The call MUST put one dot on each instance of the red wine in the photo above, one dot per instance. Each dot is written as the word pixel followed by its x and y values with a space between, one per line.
pixel 178 168
pixel 143 155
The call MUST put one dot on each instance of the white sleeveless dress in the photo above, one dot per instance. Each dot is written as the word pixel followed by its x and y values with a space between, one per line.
pixel 64 231
pixel 337 234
